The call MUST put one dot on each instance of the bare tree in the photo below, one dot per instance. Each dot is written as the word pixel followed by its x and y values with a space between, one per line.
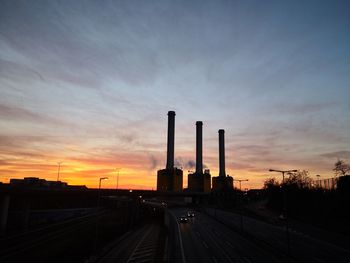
pixel 341 168
pixel 271 183
pixel 301 179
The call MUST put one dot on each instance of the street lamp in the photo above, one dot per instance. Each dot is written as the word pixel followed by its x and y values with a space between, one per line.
pixel 284 212
pixel 240 182
pixel 283 172
pixel 58 170
pixel 98 207
pixel 117 170
pixel 102 178
pixel 318 182
pixel 99 188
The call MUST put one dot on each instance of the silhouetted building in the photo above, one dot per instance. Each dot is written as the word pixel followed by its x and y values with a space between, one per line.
pixel 343 184
pixel 199 181
pixel 35 182
pixel 170 178
pixel 222 182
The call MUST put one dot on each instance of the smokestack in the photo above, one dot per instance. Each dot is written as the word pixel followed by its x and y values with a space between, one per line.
pixel 171 139
pixel 222 153
pixel 199 148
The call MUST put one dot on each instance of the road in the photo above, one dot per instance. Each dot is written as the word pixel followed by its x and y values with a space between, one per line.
pixel 302 248
pixel 140 245
pixel 204 239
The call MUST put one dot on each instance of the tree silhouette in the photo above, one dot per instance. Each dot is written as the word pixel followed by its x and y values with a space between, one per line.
pixel 299 179
pixel 271 183
pixel 341 168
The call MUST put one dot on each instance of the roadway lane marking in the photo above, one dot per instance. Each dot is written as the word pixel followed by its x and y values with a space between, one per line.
pixel 214 259
pixel 205 244
pixel 215 243
pixel 198 234
pixel 246 260
pixel 135 255
pixel 180 238
pixel 317 259
pixel 229 243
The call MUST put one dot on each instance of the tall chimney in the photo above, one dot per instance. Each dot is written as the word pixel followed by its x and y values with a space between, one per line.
pixel 222 152
pixel 171 139
pixel 199 148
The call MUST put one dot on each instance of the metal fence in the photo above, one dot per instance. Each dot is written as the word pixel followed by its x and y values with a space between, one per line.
pixel 327 184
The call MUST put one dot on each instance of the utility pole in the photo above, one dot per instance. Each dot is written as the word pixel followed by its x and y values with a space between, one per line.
pixel 283 172
pixel 240 182
pixel 117 170
pixel 58 170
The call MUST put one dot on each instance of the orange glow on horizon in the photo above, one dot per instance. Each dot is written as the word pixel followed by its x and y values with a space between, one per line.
pixel 134 173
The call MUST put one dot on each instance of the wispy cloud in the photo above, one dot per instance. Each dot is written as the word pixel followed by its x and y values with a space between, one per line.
pixel 91 85
pixel 337 155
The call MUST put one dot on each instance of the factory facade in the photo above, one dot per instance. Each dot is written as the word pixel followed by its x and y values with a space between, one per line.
pixel 199 181
pixel 171 178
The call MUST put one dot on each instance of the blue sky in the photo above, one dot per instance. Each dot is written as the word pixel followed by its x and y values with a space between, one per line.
pixel 89 83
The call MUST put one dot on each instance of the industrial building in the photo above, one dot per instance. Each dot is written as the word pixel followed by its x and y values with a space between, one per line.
pixel 37 183
pixel 170 178
pixel 222 182
pixel 199 181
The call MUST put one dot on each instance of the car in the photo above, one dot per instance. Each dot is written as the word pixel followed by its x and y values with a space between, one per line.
pixel 190 214
pixel 183 219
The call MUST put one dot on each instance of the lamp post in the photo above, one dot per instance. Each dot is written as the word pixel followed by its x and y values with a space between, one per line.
pixel 283 172
pixel 99 188
pixel 284 209
pixel 318 182
pixel 98 208
pixel 240 182
pixel 241 199
pixel 58 170
pixel 117 170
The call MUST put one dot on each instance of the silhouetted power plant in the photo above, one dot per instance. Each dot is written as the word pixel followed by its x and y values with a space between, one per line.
pixel 222 182
pixel 170 178
pixel 199 181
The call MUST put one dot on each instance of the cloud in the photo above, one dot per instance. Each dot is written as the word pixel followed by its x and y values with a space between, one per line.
pixel 153 162
pixel 337 155
pixel 252 150
pixel 18 143
pixel 190 164
pixel 14 113
pixel 185 163
pixel 178 162
pixel 241 166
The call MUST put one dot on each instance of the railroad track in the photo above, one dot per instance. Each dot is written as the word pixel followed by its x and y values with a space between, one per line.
pixel 15 245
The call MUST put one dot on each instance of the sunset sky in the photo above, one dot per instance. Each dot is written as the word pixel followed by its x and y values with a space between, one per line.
pixel 89 84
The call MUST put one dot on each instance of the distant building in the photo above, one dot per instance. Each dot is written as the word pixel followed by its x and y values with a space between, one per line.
pixel 199 182
pixel 343 184
pixel 35 182
pixel 222 183
pixel 170 180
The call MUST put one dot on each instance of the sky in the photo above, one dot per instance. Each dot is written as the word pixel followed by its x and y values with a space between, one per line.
pixel 89 84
